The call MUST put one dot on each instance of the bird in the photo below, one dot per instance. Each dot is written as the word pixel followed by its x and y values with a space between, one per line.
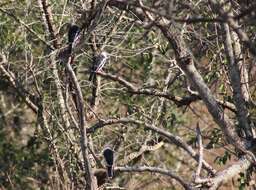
pixel 98 63
pixel 108 155
pixel 73 36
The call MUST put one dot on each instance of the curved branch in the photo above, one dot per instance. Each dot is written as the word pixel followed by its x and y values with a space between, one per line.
pixel 156 170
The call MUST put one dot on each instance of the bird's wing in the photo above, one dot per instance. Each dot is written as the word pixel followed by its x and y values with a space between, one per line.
pixel 101 65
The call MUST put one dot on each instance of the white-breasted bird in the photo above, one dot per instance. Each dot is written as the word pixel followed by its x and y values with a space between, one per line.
pixel 98 63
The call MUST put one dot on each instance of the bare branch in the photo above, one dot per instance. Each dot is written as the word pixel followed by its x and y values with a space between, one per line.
pixel 241 166
pixel 15 84
pixel 155 170
pixel 186 64
pixel 42 121
pixel 60 98
pixel 171 137
pixel 200 152
pixel 179 101
pixel 48 20
pixel 234 25
pixel 198 179
pixel 82 124
pixel 234 74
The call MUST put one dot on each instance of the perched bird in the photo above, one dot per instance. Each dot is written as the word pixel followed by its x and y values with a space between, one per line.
pixel 108 154
pixel 73 36
pixel 98 63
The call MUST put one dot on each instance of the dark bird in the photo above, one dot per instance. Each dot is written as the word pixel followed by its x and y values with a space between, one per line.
pixel 73 36
pixel 108 154
pixel 98 63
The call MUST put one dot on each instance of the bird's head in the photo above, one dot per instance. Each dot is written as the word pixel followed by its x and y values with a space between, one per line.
pixel 105 55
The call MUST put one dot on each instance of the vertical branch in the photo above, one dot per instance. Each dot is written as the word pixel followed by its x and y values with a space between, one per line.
pixel 227 16
pixel 244 78
pixel 90 183
pixel 200 152
pixel 198 179
pixel 42 121
pixel 234 74
pixel 95 92
pixel 60 98
pixel 48 20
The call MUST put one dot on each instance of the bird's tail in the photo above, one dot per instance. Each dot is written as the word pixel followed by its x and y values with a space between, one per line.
pixel 110 171
pixel 70 47
pixel 92 76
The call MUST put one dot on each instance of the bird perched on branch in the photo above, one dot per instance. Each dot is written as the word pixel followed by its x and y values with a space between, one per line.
pixel 73 36
pixel 98 63
pixel 108 154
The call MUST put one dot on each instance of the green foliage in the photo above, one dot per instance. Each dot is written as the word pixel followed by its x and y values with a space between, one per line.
pixel 215 138
pixel 222 160
pixel 173 121
pixel 243 181
pixel 19 163
pixel 163 48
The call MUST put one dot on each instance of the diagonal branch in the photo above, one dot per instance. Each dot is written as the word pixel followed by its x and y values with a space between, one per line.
pixel 241 166
pixel 26 96
pixel 186 64
pixel 179 101
pixel 48 20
